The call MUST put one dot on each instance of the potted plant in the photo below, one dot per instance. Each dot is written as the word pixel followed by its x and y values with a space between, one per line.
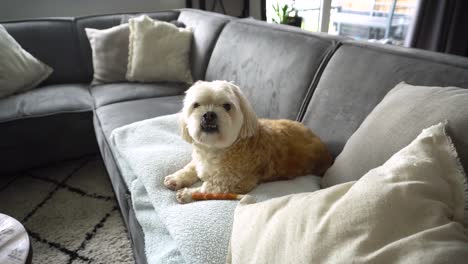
pixel 286 14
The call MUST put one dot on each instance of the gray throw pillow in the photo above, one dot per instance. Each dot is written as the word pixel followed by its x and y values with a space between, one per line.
pixel 110 53
pixel 19 70
pixel 395 122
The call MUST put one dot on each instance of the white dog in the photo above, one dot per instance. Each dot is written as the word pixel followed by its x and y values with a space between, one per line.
pixel 233 151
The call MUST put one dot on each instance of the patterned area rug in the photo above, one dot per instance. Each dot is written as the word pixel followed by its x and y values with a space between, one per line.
pixel 70 213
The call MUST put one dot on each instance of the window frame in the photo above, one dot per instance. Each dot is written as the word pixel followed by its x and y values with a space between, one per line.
pixel 325 8
pixel 324 20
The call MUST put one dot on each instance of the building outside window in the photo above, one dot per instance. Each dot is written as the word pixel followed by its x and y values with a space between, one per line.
pixel 385 21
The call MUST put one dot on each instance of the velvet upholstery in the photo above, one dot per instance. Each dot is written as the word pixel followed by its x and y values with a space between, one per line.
pixel 401 115
pixel 359 75
pixel 47 100
pixel 51 123
pixel 35 141
pixel 105 94
pixel 206 27
pixel 116 115
pixel 52 41
pixel 273 65
pixel 285 72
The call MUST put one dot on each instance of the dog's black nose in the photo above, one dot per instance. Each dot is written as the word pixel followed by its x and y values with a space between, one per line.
pixel 210 116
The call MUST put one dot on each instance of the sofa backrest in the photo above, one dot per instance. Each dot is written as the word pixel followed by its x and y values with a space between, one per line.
pixel 62 42
pixel 206 28
pixel 359 75
pixel 54 42
pixel 274 65
pixel 103 22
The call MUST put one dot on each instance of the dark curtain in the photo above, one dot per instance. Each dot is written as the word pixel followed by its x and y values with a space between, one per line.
pixel 442 26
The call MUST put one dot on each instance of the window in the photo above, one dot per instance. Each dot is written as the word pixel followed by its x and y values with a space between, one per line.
pixel 385 21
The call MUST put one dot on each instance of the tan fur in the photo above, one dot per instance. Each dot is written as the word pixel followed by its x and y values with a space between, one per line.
pixel 273 150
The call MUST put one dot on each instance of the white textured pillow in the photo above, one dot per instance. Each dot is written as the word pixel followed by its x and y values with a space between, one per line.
pixel 158 51
pixel 19 70
pixel 409 210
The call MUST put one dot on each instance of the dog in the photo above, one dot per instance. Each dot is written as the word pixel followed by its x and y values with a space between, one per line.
pixel 233 151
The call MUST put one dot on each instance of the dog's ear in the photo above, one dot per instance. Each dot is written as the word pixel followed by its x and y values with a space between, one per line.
pixel 250 118
pixel 184 130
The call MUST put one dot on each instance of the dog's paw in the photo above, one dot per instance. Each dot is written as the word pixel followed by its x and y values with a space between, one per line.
pixel 184 196
pixel 171 182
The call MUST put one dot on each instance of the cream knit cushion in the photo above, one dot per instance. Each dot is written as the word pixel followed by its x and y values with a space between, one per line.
pixel 409 210
pixel 158 51
pixel 19 70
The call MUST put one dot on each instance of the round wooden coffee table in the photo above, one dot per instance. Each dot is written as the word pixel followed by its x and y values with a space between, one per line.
pixel 15 246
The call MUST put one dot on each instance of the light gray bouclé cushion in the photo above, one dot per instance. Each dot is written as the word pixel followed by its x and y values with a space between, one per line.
pixel 110 53
pixel 395 122
pixel 19 70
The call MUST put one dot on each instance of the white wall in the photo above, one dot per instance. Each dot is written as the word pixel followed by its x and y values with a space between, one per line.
pixel 20 9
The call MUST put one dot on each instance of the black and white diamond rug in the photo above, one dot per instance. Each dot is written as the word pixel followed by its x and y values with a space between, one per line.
pixel 70 213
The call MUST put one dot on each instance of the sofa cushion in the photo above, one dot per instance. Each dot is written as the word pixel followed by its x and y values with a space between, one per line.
pixel 394 122
pixel 45 101
pixel 105 94
pixel 119 114
pixel 206 27
pixel 44 125
pixel 274 65
pixel 102 22
pixel 359 75
pixel 40 140
pixel 52 41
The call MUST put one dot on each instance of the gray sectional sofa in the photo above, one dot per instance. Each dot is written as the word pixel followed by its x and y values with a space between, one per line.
pixel 328 83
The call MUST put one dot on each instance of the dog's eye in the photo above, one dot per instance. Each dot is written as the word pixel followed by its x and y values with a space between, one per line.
pixel 195 105
pixel 227 107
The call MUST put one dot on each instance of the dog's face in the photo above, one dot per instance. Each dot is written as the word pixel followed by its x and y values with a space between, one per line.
pixel 216 114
